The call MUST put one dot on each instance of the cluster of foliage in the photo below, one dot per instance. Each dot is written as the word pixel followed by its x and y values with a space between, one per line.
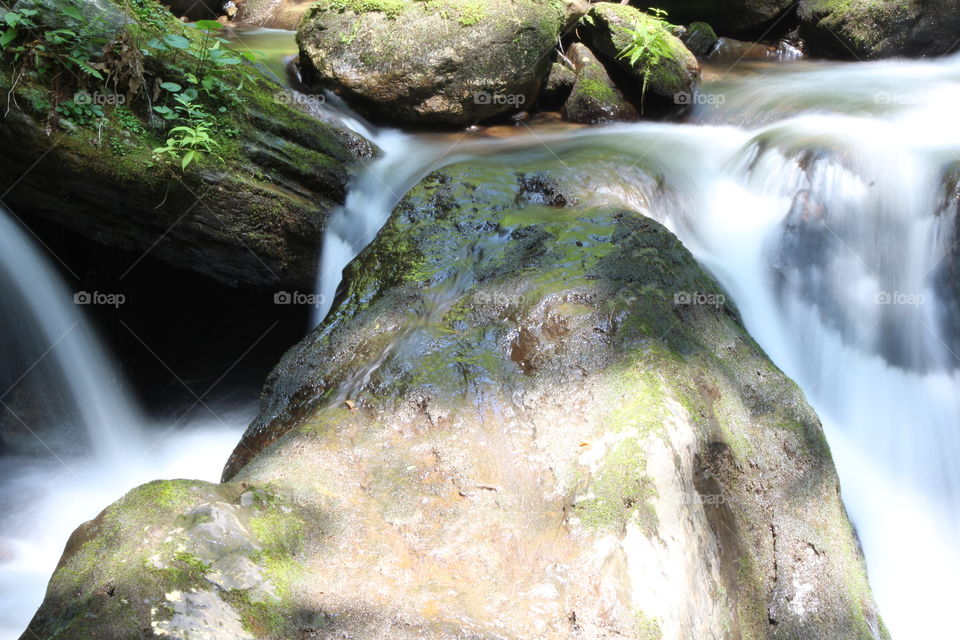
pixel 180 79
pixel 200 68
pixel 650 43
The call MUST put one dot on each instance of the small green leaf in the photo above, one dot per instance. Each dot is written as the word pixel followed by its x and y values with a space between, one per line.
pixel 12 18
pixel 72 12
pixel 171 86
pixel 8 36
pixel 187 159
pixel 208 25
pixel 176 41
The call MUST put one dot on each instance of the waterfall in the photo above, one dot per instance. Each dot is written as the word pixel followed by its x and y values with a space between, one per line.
pixel 48 320
pixel 97 446
pixel 822 196
pixel 837 231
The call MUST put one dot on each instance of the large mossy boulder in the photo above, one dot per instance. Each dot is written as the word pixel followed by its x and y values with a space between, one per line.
pixel 547 421
pixel 671 70
pixel 433 61
pixel 252 212
pixel 175 559
pixel 863 29
pixel 741 18
pixel 528 416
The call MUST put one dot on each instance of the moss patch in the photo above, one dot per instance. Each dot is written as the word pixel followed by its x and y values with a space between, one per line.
pixel 620 490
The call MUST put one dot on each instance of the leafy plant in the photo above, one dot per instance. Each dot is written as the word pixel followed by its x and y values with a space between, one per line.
pixel 193 139
pixel 188 143
pixel 47 33
pixel 80 114
pixel 650 44
pixel 186 74
pixel 128 120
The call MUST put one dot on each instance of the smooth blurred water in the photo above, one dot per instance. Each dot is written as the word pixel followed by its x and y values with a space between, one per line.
pixel 44 500
pixel 94 444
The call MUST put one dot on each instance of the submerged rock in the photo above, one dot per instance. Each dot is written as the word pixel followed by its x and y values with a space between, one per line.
pixel 434 62
pixel 274 14
pixel 672 70
pixel 871 29
pixel 730 50
pixel 594 98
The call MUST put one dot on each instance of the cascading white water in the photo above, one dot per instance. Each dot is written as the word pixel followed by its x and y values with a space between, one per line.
pixel 36 301
pixel 45 497
pixel 836 230
pixel 369 202
pixel 816 194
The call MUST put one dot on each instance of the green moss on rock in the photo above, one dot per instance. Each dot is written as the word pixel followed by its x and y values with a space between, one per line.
pixel 620 491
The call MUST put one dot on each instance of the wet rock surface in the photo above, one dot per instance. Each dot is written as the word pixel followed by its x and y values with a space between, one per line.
pixel 436 62
pixel 594 97
pixel 457 420
pixel 864 30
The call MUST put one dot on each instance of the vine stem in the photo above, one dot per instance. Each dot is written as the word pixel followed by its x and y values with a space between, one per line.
pixel 10 94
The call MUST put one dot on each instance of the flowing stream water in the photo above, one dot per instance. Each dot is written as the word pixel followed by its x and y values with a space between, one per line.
pixel 819 195
pixel 97 444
